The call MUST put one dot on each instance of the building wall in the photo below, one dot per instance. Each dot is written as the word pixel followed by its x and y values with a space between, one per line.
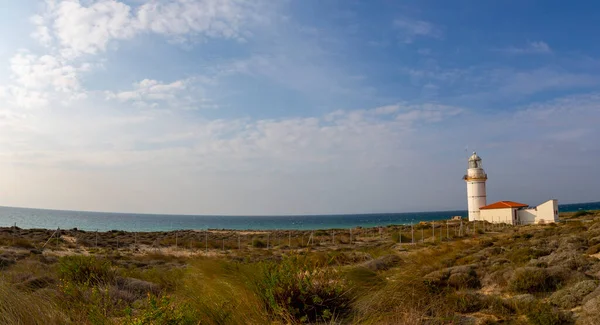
pixel 547 212
pixel 476 198
pixel 527 216
pixel 497 215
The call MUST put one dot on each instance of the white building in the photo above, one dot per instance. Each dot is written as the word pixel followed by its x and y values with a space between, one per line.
pixel 475 179
pixel 504 211
pixel 520 214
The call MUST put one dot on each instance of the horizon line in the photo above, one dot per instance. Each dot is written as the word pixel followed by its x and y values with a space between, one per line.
pixel 257 215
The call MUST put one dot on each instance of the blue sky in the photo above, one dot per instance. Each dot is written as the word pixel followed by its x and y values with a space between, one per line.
pixel 294 107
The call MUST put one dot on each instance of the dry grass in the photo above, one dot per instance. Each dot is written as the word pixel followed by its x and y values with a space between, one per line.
pixel 483 277
pixel 18 307
pixel 217 291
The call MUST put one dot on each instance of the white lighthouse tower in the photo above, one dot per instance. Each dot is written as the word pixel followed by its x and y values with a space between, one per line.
pixel 475 179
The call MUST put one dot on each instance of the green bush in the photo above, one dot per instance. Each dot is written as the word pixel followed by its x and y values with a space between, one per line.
pixel 85 270
pixel 162 311
pixel 531 280
pixel 296 289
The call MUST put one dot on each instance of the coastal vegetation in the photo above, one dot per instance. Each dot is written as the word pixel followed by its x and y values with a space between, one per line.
pixel 442 273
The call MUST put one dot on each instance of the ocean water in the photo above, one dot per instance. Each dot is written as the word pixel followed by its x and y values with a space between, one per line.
pixel 102 221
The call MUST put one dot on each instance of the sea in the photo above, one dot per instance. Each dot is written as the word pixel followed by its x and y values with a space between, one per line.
pixel 26 218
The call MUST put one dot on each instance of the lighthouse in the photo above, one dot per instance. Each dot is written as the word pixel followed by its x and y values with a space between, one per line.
pixel 475 179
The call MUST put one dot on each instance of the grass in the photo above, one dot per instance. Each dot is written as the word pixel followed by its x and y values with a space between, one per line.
pixel 18 307
pixel 296 289
pixel 85 270
pixel 378 279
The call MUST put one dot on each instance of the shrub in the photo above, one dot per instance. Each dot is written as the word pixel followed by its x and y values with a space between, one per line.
pixel 500 307
pixel 581 213
pixel 544 314
pixel 466 302
pixel 531 280
pixel 524 254
pixel 87 304
pixel 572 296
pixel 166 276
pixel 257 243
pixel 458 277
pixel 590 312
pixel 162 311
pixel 85 270
pixel 295 289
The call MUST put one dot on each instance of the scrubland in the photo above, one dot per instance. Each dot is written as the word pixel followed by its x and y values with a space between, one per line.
pixel 480 274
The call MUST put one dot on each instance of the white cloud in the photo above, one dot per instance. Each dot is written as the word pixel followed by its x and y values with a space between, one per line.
pixel 150 90
pixel 356 160
pixel 412 28
pixel 42 32
pixel 43 72
pixel 388 109
pixel 481 83
pixel 89 27
pixel 224 145
pixel 537 47
pixel 24 98
pixel 36 80
pixel 181 94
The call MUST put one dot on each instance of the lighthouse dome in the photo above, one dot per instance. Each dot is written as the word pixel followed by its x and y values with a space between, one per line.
pixel 475 161
pixel 474 157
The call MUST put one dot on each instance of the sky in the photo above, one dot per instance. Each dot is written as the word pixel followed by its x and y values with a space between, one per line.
pixel 270 107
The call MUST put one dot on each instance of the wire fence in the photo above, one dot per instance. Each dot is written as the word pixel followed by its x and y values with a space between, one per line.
pixel 210 241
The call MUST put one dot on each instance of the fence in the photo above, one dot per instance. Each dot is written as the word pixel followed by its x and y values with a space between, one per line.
pixel 228 240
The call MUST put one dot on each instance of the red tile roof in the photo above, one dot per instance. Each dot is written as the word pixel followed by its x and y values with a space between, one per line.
pixel 504 205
